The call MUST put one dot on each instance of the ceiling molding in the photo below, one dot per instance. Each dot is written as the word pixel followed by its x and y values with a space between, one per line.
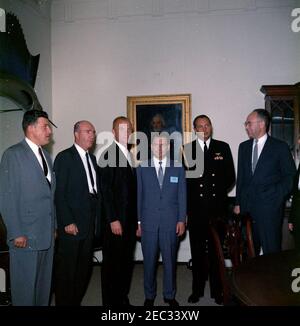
pixel 76 10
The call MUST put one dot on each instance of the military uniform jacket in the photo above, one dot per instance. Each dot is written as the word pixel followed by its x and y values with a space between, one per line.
pixel 207 192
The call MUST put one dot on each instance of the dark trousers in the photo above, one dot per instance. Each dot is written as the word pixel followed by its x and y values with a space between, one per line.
pixel 117 266
pixel 266 235
pixel 204 264
pixel 73 266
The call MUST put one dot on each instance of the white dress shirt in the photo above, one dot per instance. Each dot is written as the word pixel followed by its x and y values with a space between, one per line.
pixel 260 145
pixel 157 165
pixel 125 151
pixel 201 143
pixel 82 153
pixel 35 148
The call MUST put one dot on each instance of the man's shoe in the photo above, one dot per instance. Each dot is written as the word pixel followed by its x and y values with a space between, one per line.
pixel 149 303
pixel 126 302
pixel 193 298
pixel 171 302
pixel 219 300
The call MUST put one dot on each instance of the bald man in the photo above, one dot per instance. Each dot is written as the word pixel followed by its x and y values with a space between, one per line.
pixel 78 203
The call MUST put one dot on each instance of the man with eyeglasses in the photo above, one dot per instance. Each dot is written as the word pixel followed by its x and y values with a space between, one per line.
pixel 264 181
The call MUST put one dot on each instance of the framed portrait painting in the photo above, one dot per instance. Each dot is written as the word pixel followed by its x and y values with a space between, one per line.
pixel 161 113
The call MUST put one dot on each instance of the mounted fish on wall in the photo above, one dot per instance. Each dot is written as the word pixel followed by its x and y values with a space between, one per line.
pixel 18 68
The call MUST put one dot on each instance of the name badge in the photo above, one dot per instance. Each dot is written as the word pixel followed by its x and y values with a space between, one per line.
pixel 174 179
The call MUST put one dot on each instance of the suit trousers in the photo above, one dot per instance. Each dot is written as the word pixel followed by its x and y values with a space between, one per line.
pixel 117 265
pixel 30 276
pixel 154 242
pixel 73 265
pixel 266 235
pixel 204 264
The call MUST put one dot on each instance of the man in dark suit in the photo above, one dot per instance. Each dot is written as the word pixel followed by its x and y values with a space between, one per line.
pixel 265 178
pixel 207 201
pixel 27 186
pixel 78 202
pixel 162 217
pixel 118 184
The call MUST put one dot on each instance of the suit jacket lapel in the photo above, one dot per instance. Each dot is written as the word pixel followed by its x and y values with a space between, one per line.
pixel 153 171
pixel 79 163
pixel 166 175
pixel 248 157
pixel 262 156
pixel 33 158
pixel 96 170
pixel 37 167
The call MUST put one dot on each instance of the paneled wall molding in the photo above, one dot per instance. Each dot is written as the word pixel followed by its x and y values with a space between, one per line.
pixel 75 10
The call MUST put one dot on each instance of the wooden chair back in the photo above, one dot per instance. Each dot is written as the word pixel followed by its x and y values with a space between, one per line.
pixel 237 246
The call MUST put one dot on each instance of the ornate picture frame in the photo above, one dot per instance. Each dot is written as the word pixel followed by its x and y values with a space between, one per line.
pixel 173 111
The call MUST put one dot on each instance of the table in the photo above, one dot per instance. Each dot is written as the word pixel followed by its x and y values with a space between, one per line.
pixel 267 280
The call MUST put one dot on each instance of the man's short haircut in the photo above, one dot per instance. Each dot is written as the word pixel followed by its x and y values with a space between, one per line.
pixel 77 126
pixel 265 116
pixel 30 118
pixel 201 116
pixel 117 119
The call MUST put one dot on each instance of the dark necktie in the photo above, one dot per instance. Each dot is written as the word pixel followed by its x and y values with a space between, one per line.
pixel 205 148
pixel 90 172
pixel 160 175
pixel 45 167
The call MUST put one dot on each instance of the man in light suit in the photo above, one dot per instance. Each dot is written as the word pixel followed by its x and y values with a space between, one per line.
pixel 161 217
pixel 27 186
pixel 264 181
pixel 78 202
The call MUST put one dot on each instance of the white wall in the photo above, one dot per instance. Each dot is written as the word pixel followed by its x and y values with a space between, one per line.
pixel 35 21
pixel 220 51
pixel 34 18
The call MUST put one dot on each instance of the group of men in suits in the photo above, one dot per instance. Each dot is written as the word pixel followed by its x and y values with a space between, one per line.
pixel 39 203
pixel 151 201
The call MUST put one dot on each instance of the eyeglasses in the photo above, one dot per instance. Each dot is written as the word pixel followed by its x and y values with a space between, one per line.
pixel 249 123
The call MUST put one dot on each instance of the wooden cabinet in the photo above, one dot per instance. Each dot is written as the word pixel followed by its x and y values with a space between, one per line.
pixel 283 103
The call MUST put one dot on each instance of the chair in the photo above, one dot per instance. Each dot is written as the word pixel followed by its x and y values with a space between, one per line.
pixel 236 245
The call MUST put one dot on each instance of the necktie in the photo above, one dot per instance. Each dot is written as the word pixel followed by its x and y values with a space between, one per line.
pixel 205 148
pixel 255 156
pixel 160 175
pixel 45 167
pixel 90 172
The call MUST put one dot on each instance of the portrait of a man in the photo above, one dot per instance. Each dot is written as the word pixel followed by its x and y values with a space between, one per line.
pixel 161 113
pixel 167 118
